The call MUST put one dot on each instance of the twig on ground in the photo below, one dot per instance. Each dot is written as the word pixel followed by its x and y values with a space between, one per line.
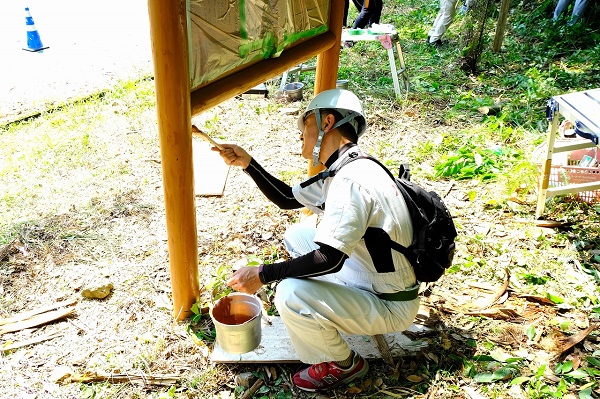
pixel 250 392
pixel 497 295
pixel 145 379
pixel 41 338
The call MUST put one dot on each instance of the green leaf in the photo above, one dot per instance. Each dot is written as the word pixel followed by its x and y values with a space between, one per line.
pixel 531 332
pixel 484 377
pixel 483 358
pixel 499 356
pixel 263 389
pixel 586 393
pixel 254 260
pixel 593 361
pixel 519 380
pixel 503 373
pixel 567 366
pixel 194 309
pixel 577 374
pixel 88 392
pixel 564 326
pixel 540 371
pixel 555 299
pixel 593 372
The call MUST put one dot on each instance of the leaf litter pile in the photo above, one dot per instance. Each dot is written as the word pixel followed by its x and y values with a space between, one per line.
pixel 84 271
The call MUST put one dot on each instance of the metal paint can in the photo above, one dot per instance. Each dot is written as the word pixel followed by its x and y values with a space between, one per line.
pixel 294 91
pixel 342 84
pixel 237 320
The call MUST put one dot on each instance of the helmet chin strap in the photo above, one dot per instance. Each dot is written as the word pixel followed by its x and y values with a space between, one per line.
pixel 317 148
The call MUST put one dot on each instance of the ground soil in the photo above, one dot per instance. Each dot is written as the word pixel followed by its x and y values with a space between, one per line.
pixel 132 332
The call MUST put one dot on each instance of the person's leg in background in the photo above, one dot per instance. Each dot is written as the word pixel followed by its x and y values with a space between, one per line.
pixel 377 8
pixel 578 10
pixel 346 6
pixel 561 7
pixel 358 4
pixel 443 20
pixel 362 21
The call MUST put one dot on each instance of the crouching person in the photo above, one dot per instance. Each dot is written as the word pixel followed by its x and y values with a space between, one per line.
pixel 343 277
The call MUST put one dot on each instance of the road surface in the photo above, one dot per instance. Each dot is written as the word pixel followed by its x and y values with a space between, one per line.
pixel 92 45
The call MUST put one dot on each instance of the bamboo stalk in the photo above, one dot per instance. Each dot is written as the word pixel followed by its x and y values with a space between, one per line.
pixel 25 315
pixel 501 25
pixel 37 320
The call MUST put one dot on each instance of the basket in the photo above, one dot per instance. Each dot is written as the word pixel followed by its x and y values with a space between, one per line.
pixel 566 170
pixel 562 175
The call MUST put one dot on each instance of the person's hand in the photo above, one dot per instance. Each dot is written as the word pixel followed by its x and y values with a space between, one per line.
pixel 234 155
pixel 245 280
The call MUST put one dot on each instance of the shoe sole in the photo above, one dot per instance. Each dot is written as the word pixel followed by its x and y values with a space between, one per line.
pixel 348 380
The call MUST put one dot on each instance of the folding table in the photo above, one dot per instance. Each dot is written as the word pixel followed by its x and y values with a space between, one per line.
pixel 583 110
pixel 388 37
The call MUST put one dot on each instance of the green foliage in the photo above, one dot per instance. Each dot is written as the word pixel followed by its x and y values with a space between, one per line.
pixel 217 283
pixel 168 394
pixel 472 162
pixel 534 279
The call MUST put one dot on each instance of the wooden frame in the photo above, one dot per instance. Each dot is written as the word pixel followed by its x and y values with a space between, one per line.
pixel 175 105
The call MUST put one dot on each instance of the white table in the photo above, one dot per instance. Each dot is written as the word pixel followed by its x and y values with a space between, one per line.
pixel 583 106
pixel 365 35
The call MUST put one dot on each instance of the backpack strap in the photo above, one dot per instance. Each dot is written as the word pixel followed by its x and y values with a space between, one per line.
pixel 332 172
pixel 319 176
pixel 404 172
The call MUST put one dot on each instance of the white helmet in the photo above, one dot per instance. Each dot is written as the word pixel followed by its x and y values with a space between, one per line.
pixel 343 101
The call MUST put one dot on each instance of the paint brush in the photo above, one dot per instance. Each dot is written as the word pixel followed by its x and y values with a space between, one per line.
pixel 199 133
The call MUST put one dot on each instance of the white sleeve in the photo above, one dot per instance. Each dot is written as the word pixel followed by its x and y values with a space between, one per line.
pixel 311 196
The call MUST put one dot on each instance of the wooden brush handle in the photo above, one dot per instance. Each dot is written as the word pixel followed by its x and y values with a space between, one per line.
pixel 199 133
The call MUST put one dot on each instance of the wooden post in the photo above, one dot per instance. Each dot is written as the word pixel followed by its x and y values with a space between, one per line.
pixel 501 27
pixel 328 62
pixel 168 30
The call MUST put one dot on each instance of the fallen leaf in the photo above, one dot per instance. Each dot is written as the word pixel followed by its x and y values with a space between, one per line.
pixel 548 223
pixel 414 378
pixel 60 374
pixel 446 344
pixel 472 393
pixel 433 357
pixel 575 360
pixel 354 390
pixel 97 293
pixel 560 344
pixel 366 384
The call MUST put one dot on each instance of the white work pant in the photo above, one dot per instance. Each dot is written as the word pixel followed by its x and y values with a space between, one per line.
pixel 443 20
pixel 316 310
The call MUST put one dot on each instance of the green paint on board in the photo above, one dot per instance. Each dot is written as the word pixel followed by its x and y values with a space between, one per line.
pixel 243 31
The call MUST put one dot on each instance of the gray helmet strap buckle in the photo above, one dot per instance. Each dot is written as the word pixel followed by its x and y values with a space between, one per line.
pixel 317 148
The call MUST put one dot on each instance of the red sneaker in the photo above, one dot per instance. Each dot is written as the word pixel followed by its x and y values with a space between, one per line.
pixel 328 375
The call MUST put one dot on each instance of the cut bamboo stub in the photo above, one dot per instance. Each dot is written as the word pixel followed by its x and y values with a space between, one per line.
pixel 199 133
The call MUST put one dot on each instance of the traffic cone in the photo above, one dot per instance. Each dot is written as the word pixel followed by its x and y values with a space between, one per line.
pixel 34 43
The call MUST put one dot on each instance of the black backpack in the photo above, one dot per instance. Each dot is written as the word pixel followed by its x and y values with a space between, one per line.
pixel 432 248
